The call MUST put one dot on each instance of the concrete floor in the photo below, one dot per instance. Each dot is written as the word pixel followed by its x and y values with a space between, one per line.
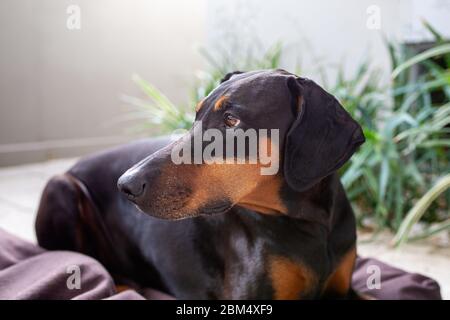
pixel 21 186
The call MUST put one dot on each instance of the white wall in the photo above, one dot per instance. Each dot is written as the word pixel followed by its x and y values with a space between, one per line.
pixel 330 32
pixel 58 84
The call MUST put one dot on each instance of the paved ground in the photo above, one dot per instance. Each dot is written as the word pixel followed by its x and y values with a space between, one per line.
pixel 21 186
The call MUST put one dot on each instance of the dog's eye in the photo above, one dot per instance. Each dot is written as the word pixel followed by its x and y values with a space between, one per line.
pixel 230 120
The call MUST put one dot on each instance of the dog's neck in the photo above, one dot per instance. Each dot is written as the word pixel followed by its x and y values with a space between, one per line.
pixel 315 204
pixel 275 197
pixel 265 198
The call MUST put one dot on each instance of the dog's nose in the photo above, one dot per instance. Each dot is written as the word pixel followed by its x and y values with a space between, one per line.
pixel 131 185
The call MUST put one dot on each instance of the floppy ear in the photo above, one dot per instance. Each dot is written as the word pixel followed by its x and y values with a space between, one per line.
pixel 321 139
pixel 229 75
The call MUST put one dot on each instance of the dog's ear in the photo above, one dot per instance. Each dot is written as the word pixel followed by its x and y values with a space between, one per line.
pixel 321 139
pixel 229 75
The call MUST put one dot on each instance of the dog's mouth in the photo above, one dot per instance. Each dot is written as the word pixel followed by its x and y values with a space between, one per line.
pixel 177 211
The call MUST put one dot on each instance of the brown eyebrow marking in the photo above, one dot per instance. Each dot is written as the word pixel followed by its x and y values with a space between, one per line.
pixel 220 103
pixel 199 105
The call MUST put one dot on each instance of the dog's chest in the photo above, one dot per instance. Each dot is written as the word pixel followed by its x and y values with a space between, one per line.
pixel 289 279
pixel 256 270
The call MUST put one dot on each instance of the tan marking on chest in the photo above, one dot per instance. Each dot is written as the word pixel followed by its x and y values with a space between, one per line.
pixel 340 280
pixel 290 280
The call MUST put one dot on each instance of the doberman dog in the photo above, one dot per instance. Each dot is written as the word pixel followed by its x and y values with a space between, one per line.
pixel 290 235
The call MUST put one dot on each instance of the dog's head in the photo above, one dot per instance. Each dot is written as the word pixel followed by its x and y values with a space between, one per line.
pixel 302 136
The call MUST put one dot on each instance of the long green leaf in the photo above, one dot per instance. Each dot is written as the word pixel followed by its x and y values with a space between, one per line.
pixel 430 53
pixel 419 209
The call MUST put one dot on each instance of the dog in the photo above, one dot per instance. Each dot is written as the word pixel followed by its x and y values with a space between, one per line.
pixel 289 235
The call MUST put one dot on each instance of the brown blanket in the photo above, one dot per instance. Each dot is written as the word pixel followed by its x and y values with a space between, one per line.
pixel 29 272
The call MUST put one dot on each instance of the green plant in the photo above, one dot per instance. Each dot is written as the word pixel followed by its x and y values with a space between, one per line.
pixel 407 148
pixel 157 110
pixel 419 210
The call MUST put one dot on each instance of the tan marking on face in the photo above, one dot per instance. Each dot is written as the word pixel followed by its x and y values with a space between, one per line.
pixel 290 280
pixel 240 183
pixel 265 198
pixel 339 281
pixel 220 103
pixel 199 105
pixel 212 182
